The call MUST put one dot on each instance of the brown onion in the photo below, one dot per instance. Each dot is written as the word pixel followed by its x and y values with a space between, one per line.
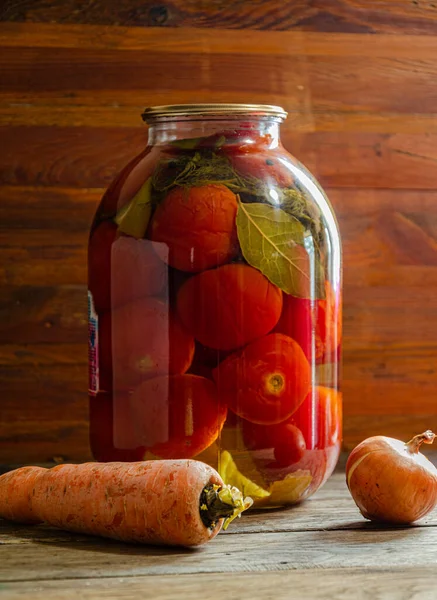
pixel 392 481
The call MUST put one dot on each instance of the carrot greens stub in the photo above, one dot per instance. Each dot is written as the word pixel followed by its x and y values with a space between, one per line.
pixel 222 502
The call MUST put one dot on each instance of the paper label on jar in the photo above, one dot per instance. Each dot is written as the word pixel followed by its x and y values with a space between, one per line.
pixel 93 347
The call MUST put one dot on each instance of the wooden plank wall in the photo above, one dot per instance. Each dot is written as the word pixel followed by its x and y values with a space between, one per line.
pixel 359 79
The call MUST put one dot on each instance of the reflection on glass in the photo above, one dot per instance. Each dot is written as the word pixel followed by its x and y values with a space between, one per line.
pixel 215 309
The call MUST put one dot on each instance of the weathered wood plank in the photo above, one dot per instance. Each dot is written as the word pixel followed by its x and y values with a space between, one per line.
pixel 123 108
pixel 41 69
pixel 365 160
pixel 310 584
pixel 373 317
pixel 228 553
pixel 41 314
pixel 55 209
pixel 367 122
pixel 84 157
pixel 225 41
pixel 371 84
pixel 325 83
pixel 319 15
pixel 64 438
pixel 67 441
pixel 47 111
pixel 39 354
pixel 403 427
pixel 44 415
pixel 388 381
pixel 54 386
pixel 72 157
pixel 35 257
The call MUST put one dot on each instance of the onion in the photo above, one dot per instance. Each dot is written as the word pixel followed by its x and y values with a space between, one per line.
pixel 392 481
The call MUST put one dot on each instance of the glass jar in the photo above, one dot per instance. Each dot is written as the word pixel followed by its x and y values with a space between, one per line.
pixel 215 305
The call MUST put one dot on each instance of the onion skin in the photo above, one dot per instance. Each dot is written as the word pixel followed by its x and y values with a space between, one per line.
pixel 391 481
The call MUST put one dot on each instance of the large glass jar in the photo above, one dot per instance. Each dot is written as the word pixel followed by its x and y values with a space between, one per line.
pixel 215 305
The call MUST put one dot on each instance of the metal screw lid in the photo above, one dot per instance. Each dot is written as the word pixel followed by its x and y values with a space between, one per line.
pixel 185 111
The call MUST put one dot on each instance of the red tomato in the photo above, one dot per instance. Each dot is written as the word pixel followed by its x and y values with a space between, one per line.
pixel 228 307
pixel 271 168
pixel 178 416
pixel 260 437
pixel 285 438
pixel 146 340
pixel 266 381
pixel 320 417
pixel 197 227
pixel 122 269
pixel 290 448
pixel 137 270
pixel 302 319
pixel 246 139
pixel 99 264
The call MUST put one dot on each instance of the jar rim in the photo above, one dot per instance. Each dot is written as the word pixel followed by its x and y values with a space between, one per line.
pixel 213 110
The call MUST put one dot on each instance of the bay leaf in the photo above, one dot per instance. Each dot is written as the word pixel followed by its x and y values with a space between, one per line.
pixel 327 374
pixel 214 141
pixel 274 242
pixel 133 218
pixel 232 476
pixel 187 143
pixel 287 491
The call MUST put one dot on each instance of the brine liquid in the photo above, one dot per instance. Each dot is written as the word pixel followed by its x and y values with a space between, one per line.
pixel 215 322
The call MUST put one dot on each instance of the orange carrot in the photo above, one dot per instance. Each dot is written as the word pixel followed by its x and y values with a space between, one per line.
pixel 174 502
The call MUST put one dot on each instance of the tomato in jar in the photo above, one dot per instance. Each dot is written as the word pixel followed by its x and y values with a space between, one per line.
pixel 215 305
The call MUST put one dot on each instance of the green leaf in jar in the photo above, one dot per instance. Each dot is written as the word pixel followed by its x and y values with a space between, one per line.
pixel 186 144
pixel 273 242
pixel 133 218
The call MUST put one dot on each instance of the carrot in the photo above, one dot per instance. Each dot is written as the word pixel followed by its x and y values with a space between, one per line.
pixel 173 502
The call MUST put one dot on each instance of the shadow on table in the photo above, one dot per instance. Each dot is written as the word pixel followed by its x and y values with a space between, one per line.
pixel 44 535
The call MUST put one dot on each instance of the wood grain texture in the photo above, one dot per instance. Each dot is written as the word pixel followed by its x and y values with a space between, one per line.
pixel 315 15
pixel 362 118
pixel 43 315
pixel 49 110
pixel 310 584
pixel 98 76
pixel 230 553
pixel 225 41
pixel 47 208
pixel 91 157
pixel 330 83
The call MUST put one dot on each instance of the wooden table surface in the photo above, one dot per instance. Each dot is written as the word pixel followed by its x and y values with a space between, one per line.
pixel 358 79
pixel 320 549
